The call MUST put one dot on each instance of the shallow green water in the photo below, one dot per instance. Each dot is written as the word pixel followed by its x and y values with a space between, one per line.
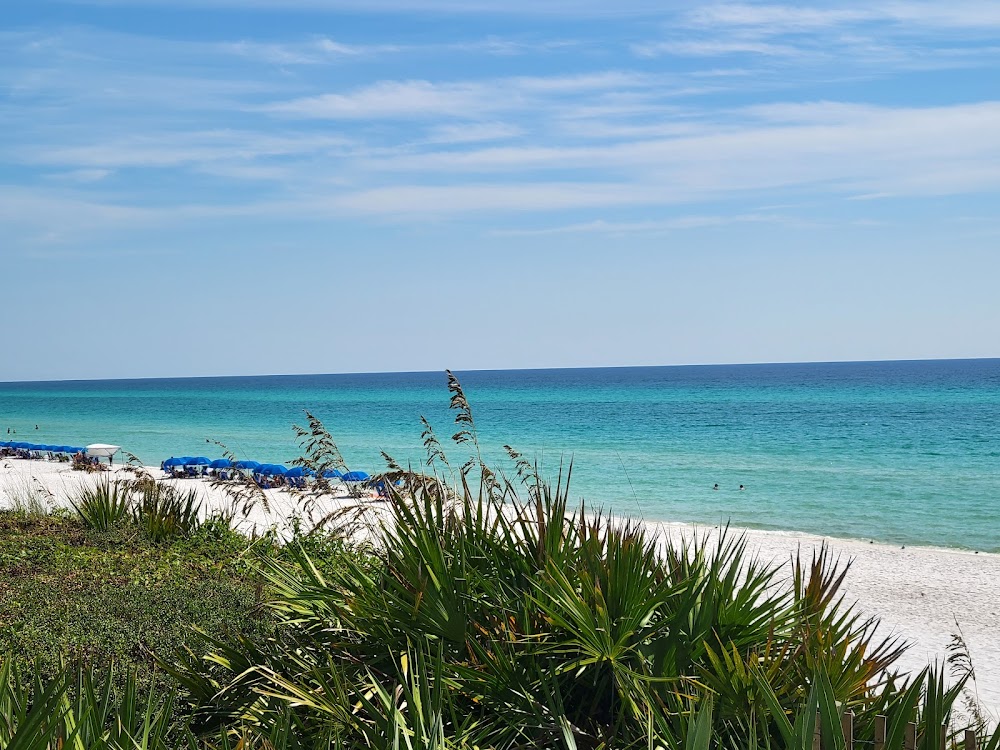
pixel 905 452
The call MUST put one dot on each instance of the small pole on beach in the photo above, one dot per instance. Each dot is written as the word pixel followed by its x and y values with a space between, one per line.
pixel 970 739
pixel 910 739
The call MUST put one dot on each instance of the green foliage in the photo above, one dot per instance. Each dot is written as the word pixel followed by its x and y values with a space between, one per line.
pixel 164 512
pixel 70 593
pixel 105 505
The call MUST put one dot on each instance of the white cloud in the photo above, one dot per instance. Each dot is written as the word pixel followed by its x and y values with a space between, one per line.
pixel 715 48
pixel 473 132
pixel 782 19
pixel 601 226
pixel 82 175
pixel 391 99
pixel 554 8
pixel 180 148
pixel 905 151
pixel 305 53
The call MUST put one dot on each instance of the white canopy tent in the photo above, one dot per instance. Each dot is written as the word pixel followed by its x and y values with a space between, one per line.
pixel 102 450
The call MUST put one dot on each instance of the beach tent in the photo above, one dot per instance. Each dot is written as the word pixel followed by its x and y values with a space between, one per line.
pixel 102 450
pixel 220 463
pixel 355 476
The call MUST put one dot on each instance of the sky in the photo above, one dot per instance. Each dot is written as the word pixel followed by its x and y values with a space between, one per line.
pixel 224 187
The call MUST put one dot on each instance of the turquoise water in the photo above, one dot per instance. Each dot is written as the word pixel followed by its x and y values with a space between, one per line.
pixel 903 452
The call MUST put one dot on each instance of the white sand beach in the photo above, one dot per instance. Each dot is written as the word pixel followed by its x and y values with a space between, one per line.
pixel 918 592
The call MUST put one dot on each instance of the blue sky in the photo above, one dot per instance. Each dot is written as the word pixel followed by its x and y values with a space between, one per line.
pixel 276 186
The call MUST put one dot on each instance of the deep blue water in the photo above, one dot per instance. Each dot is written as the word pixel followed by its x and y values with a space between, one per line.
pixel 905 452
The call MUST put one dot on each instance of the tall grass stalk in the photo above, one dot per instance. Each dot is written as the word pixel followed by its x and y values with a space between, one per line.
pixel 26 496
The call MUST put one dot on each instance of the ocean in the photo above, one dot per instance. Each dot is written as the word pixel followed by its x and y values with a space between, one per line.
pixel 898 452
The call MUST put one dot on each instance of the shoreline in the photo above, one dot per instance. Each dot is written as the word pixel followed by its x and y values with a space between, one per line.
pixel 917 592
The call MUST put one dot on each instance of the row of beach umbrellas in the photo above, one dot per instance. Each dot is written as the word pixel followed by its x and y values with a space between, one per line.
pixel 42 448
pixel 256 467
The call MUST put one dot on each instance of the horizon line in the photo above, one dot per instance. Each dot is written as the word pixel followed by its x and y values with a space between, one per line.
pixel 500 369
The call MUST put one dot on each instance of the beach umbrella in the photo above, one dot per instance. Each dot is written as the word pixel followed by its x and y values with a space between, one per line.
pixel 75 449
pixel 4 444
pixel 332 474
pixel 23 446
pixel 273 469
pixel 199 461
pixel 253 465
pixel 300 471
pixel 65 449
pixel 173 462
pixel 220 463
pixel 355 476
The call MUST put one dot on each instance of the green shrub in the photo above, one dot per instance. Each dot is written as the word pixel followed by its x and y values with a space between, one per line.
pixel 106 505
pixel 164 512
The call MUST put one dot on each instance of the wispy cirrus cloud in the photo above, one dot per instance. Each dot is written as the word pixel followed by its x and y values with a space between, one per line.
pixel 310 52
pixel 715 48
pixel 461 99
pixel 776 18
pixel 678 223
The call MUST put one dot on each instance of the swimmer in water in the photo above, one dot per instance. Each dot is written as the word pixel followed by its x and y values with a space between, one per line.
pixel 716 486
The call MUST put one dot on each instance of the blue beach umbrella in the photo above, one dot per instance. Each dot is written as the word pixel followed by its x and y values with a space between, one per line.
pixel 173 462
pixel 65 449
pixel 300 471
pixel 253 465
pixel 220 463
pixel 199 461
pixel 332 474
pixel 75 449
pixel 23 446
pixel 4 444
pixel 355 476
pixel 273 469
